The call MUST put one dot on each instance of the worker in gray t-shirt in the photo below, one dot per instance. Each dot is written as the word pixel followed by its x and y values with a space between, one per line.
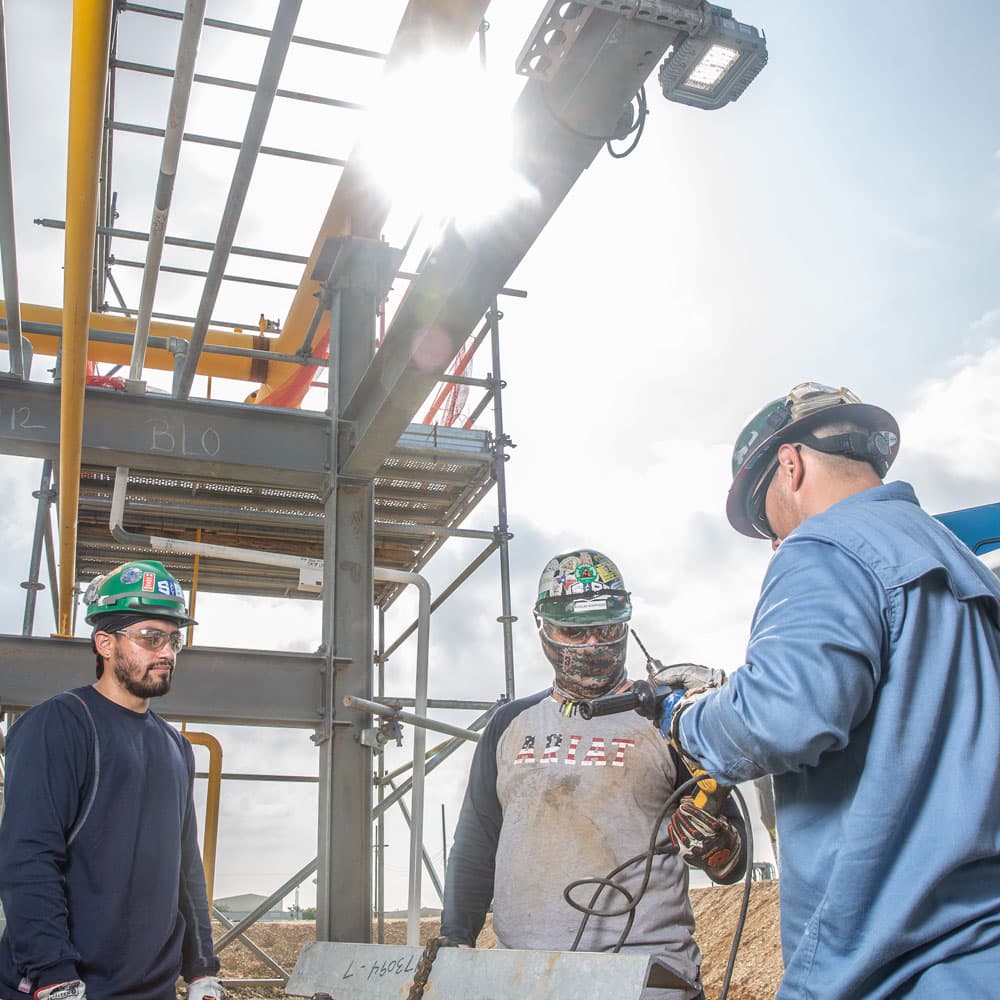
pixel 553 797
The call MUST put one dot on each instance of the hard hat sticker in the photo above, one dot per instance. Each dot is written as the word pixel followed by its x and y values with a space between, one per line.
pixel 149 582
pixel 131 575
pixel 594 604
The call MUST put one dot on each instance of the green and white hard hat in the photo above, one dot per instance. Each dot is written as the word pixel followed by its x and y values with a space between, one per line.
pixel 582 587
pixel 144 587
pixel 792 419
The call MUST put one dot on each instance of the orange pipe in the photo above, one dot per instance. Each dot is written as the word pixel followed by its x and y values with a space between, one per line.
pixel 160 359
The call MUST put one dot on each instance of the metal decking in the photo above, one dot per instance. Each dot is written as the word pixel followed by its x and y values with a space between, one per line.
pixel 430 482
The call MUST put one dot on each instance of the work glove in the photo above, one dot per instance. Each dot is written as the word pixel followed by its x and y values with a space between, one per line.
pixel 704 841
pixel 675 704
pixel 686 676
pixel 73 990
pixel 205 988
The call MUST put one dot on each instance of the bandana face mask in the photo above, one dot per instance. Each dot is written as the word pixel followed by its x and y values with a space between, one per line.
pixel 588 661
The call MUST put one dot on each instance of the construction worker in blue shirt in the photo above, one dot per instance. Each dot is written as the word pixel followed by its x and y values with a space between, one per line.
pixel 871 691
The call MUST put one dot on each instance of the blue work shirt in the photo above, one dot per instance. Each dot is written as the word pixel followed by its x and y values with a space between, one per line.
pixel 871 691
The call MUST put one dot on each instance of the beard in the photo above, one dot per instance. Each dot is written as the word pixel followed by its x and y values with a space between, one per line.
pixel 138 680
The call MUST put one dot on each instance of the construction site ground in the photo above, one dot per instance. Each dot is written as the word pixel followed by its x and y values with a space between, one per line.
pixel 756 974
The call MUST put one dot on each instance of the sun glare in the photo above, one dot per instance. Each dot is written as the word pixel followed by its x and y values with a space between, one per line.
pixel 438 143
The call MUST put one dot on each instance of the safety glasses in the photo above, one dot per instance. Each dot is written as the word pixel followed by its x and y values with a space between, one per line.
pixel 154 638
pixel 757 503
pixel 573 635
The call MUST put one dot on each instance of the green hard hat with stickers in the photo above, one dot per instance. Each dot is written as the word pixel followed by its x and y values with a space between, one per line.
pixel 582 587
pixel 144 587
pixel 807 407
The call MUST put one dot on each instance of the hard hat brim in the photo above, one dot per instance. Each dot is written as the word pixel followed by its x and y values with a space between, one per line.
pixel 873 418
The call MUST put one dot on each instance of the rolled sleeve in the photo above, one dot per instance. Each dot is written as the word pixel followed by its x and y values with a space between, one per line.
pixel 811 670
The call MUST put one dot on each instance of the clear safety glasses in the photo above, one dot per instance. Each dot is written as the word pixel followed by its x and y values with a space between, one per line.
pixel 576 635
pixel 154 638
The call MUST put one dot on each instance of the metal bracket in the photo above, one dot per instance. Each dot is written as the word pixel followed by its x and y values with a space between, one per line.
pixel 560 24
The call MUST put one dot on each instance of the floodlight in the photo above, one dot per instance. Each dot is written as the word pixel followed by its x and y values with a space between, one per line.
pixel 713 64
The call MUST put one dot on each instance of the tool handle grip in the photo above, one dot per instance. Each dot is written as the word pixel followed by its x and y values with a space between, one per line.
pixel 608 705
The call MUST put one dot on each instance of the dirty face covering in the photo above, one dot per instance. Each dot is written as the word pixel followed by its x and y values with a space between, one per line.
pixel 588 662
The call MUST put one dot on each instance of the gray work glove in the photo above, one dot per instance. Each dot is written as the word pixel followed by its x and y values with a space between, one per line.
pixel 73 990
pixel 205 988
pixel 685 676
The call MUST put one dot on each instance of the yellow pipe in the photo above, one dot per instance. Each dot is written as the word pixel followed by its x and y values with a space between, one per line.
pixel 219 365
pixel 88 84
pixel 211 806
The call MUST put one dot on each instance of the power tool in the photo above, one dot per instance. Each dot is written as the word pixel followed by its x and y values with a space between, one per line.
pixel 646 698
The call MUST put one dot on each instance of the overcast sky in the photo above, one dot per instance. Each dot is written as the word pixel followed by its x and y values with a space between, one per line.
pixel 839 223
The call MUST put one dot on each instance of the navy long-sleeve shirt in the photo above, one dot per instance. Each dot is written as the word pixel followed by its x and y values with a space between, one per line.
pixel 100 873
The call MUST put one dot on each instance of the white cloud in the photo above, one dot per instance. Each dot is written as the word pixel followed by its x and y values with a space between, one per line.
pixel 988 318
pixel 951 435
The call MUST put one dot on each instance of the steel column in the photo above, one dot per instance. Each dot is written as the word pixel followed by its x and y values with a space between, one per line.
pixel 88 84
pixel 32 584
pixel 8 243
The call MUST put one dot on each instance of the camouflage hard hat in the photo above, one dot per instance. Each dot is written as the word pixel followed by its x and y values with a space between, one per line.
pixel 807 407
pixel 144 587
pixel 582 587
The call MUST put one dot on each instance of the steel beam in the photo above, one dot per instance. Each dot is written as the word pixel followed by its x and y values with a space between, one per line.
pixel 195 437
pixel 562 125
pixel 213 22
pixel 218 141
pixel 357 208
pixel 233 686
pixel 274 61
pixel 384 972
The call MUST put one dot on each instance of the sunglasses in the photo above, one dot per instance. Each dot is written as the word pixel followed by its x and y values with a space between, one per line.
pixel 154 638
pixel 757 504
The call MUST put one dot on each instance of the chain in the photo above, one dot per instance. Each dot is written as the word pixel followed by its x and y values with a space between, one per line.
pixel 423 972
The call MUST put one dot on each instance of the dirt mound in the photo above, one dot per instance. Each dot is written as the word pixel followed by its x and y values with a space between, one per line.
pixel 755 977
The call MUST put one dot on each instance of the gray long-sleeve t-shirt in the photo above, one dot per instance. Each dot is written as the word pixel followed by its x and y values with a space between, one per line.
pixel 553 798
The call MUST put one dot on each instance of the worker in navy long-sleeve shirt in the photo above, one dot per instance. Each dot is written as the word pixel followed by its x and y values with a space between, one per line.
pixel 100 874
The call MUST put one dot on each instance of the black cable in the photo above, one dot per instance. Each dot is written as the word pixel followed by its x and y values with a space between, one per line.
pixel 744 905
pixel 637 126
pixel 640 124
pixel 651 852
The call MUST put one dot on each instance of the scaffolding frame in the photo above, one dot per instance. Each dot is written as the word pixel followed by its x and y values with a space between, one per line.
pixel 372 394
